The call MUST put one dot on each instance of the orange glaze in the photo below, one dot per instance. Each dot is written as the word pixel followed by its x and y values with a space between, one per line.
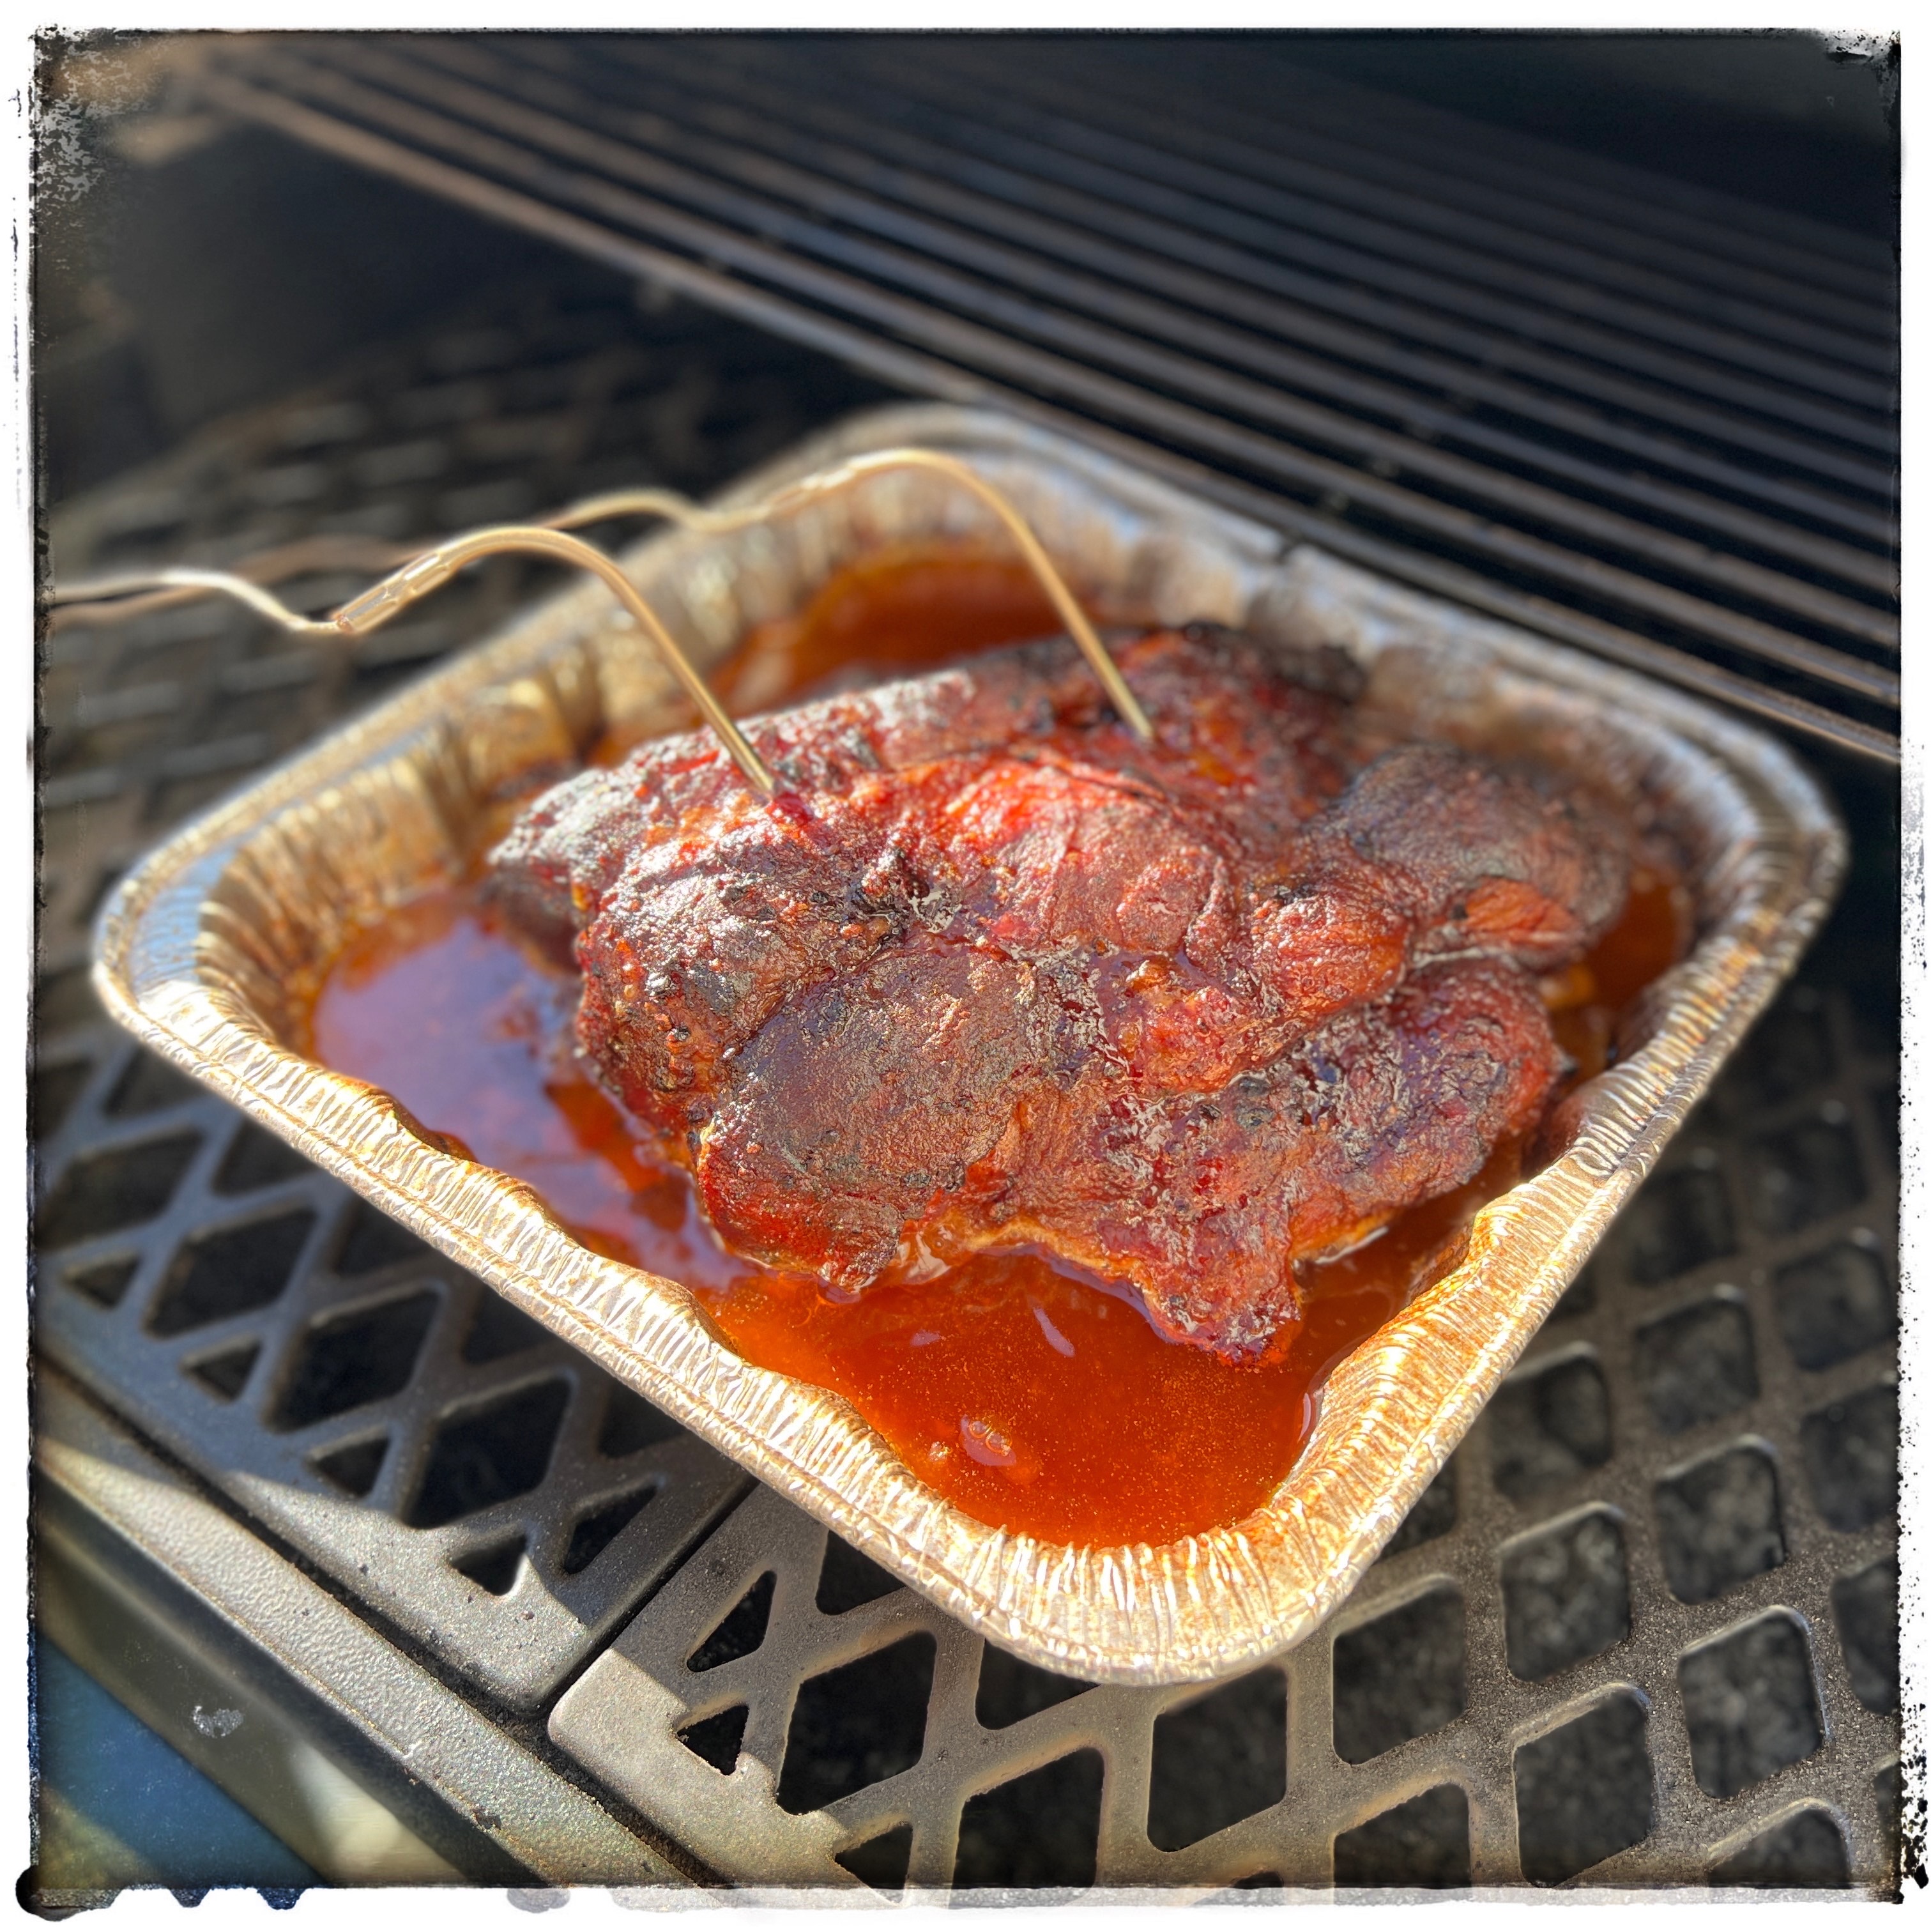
pixel 906 609
pixel 1029 1392
pixel 898 611
pixel 1584 999
pixel 1034 1395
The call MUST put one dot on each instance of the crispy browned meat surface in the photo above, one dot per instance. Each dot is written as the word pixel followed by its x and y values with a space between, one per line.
pixel 993 972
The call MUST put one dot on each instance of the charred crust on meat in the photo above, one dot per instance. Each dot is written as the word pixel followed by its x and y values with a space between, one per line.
pixel 1189 1014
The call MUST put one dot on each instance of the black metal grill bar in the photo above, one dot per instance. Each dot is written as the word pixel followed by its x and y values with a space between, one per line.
pixel 1513 220
pixel 1603 190
pixel 941 328
pixel 807 300
pixel 1405 323
pixel 1327 425
pixel 1272 224
pixel 1087 121
pixel 1401 316
pixel 1061 242
pixel 905 166
pixel 1462 585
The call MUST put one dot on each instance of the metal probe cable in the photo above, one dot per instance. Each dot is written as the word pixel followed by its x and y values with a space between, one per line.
pixel 434 567
pixel 695 516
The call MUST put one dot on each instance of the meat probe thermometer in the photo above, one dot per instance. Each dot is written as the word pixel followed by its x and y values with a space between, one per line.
pixel 434 567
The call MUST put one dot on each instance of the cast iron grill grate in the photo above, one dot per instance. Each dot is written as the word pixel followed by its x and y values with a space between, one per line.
pixel 1656 423
pixel 488 1491
pixel 1643 1629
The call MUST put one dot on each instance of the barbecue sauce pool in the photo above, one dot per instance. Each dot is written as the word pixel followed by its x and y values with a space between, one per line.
pixel 1033 1395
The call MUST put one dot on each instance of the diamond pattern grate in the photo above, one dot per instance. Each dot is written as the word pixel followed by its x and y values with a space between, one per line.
pixel 1643 1626
pixel 473 1479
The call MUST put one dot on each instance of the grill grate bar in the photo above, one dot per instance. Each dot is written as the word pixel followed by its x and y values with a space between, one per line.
pixel 1404 320
pixel 1519 325
pixel 589 182
pixel 1516 554
pixel 1383 452
pixel 1291 126
pixel 1226 173
pixel 1097 235
pixel 1053 244
pixel 1724 225
pixel 1271 229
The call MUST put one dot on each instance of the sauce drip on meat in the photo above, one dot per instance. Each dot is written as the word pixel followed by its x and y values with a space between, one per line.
pixel 1028 1392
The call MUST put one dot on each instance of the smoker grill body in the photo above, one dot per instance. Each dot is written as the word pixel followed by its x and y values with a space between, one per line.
pixel 1681 1398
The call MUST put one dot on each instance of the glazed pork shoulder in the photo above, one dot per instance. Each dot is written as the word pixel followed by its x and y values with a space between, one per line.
pixel 991 972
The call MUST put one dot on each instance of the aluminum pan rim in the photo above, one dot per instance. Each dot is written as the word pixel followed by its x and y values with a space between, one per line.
pixel 1205 1605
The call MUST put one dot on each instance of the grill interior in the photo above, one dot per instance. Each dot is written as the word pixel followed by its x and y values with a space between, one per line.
pixel 1643 1627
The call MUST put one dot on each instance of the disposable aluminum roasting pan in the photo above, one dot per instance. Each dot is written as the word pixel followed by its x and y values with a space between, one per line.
pixel 207 950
